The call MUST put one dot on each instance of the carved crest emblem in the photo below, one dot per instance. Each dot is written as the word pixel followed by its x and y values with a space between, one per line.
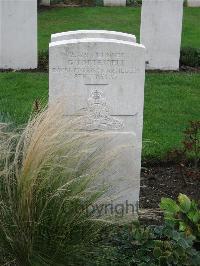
pixel 97 114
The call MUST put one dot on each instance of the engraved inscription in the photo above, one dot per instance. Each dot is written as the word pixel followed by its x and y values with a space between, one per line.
pixel 98 65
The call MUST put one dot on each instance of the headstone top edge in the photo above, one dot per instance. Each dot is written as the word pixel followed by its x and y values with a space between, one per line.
pixel 92 31
pixel 95 40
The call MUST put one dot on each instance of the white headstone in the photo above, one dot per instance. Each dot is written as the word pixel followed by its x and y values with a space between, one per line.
pixel 18 34
pixel 102 80
pixel 193 3
pixel 46 2
pixel 81 34
pixel 114 2
pixel 160 32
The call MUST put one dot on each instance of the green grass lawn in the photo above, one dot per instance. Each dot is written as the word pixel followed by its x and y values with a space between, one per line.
pixel 115 18
pixel 171 100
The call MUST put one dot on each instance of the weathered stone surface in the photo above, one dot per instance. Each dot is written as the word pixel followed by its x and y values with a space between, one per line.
pixel 160 32
pixel 102 81
pixel 46 2
pixel 18 34
pixel 81 34
pixel 114 2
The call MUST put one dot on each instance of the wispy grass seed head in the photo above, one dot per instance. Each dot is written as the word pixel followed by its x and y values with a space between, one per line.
pixel 45 190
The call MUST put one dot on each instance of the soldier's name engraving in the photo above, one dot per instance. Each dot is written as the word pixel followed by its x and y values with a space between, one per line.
pixel 97 65
pixel 96 62
pixel 97 54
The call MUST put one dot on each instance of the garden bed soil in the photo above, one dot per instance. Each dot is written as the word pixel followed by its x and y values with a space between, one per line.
pixel 168 181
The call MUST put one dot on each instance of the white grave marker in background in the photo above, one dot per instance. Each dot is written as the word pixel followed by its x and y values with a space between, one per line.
pixel 114 2
pixel 160 32
pixel 18 34
pixel 193 3
pixel 46 2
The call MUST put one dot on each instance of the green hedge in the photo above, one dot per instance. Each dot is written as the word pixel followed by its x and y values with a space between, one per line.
pixel 98 2
pixel 93 2
pixel 190 57
pixel 77 2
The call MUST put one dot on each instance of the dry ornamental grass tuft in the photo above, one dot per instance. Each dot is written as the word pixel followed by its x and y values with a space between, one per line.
pixel 46 187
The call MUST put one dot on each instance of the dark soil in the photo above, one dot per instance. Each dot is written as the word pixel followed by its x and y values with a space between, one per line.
pixel 168 181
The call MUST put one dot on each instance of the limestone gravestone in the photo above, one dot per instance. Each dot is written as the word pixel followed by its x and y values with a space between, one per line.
pixel 18 34
pixel 193 3
pixel 102 81
pixel 160 32
pixel 81 34
pixel 114 2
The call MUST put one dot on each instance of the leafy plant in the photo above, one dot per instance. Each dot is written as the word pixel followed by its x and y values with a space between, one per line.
pixel 166 244
pixel 154 245
pixel 190 57
pixel 184 215
pixel 149 245
pixel 46 174
pixel 163 245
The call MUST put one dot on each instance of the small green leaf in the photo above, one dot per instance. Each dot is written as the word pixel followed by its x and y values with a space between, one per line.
pixel 183 243
pixel 167 254
pixel 185 203
pixel 169 205
pixel 157 252
pixel 167 245
pixel 175 235
pixel 194 216
pixel 182 226
pixel 190 239
pixel 163 261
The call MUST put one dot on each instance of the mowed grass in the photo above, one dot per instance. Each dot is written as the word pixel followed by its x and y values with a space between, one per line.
pixel 18 91
pixel 171 100
pixel 115 18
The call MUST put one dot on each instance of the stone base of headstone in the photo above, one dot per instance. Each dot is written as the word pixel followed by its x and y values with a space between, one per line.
pixel 124 181
pixel 116 173
pixel 114 2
